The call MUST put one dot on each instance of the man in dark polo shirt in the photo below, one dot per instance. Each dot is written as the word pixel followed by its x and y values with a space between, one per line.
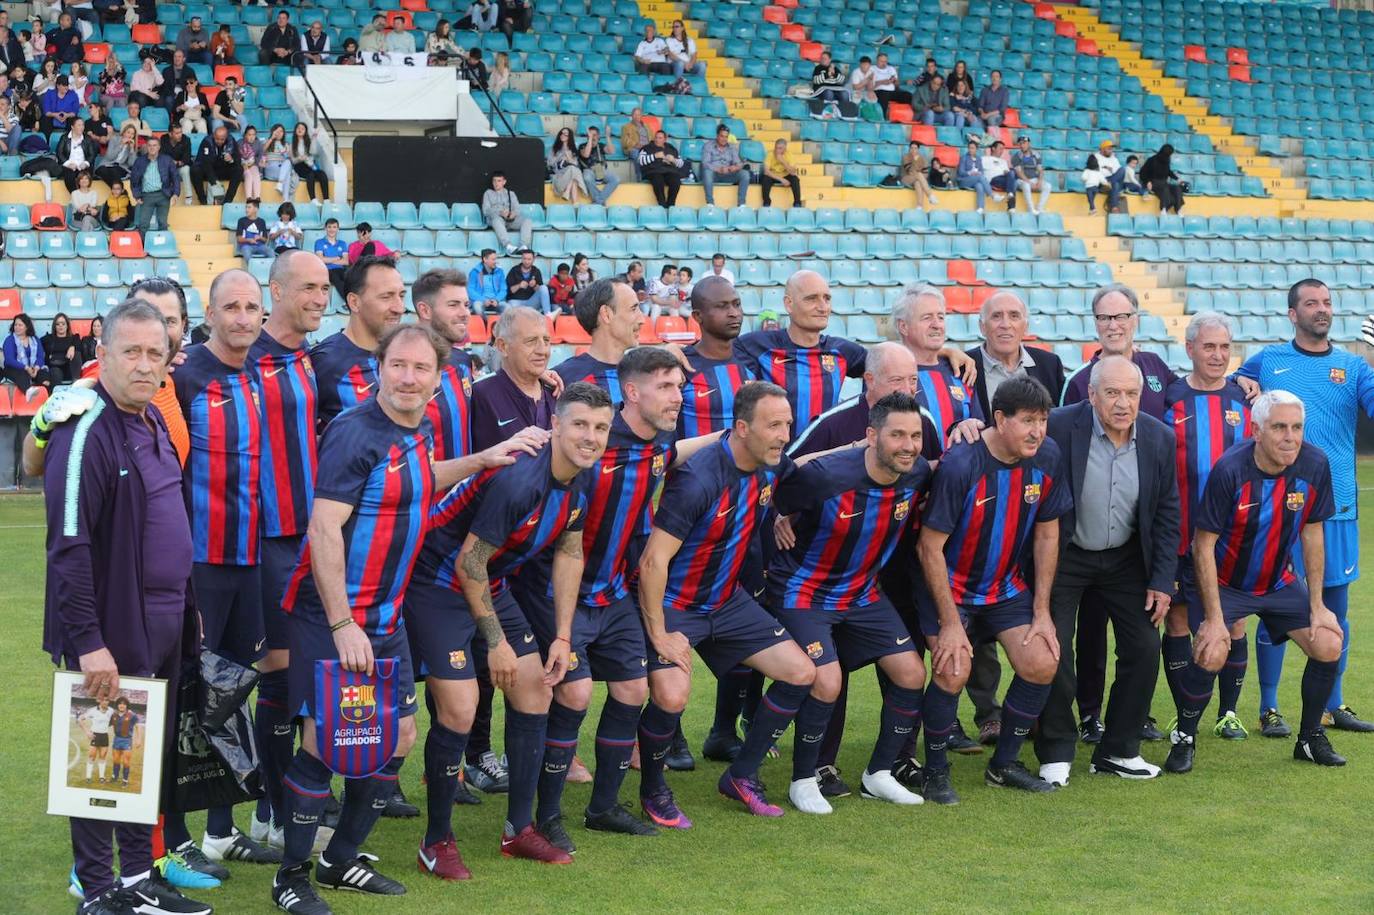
pixel 119 564
pixel 514 397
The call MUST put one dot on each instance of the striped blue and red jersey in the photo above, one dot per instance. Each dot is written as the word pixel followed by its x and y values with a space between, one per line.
pixel 588 368
pixel 521 509
pixel 345 373
pixel 1205 424
pixel 224 419
pixel 286 385
pixel 1258 517
pixel 714 508
pixel 812 376
pixel 989 510
pixel 947 401
pixel 450 409
pixel 847 525
pixel 383 471
pixel 708 400
pixel 123 725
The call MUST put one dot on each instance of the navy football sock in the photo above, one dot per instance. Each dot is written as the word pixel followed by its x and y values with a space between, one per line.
pixel 731 691
pixel 1317 680
pixel 1195 691
pixel 834 731
pixel 219 822
pixel 1232 676
pixel 174 831
pixel 1023 704
pixel 900 717
pixel 363 801
pixel 1178 654
pixel 443 762
pixel 753 692
pixel 479 738
pixel 938 708
pixel 306 784
pixel 812 721
pixel 1269 660
pixel 274 730
pixel 524 751
pixel 656 729
pixel 775 712
pixel 615 742
pixel 560 743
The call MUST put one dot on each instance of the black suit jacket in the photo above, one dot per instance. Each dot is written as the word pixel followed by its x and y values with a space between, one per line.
pixel 1157 511
pixel 1048 370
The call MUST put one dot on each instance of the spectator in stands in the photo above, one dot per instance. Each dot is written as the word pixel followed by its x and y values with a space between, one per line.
pixel 1132 180
pixel 651 54
pixel 932 70
pixel 1157 174
pixel 86 348
pixel 525 285
pixel 304 156
pixel 280 41
pixel 134 115
pixel 64 42
pixel 912 174
pixel 118 211
pixel 481 16
pixel 365 246
pixel 885 85
pixel 634 276
pixel 350 55
pixel 971 174
pixel 250 154
pixel 682 52
pixel 113 86
pixel 564 172
pixel 597 178
pixel 334 252
pixel 1092 182
pixel 515 16
pixel 11 49
pixel 286 234
pixel 194 41
pixel 634 136
pixel 661 165
pixel 992 102
pixel 85 206
pixel 60 107
pixel 60 347
pixel 24 366
pixel 960 80
pixel 84 11
pixel 111 11
pixel 1001 177
pixel 28 110
pixel 443 51
pixel 46 78
pixel 562 290
pixel 76 153
pixel 251 232
pixel 582 273
pixel 177 147
pixel 10 131
pixel 828 80
pixel 487 285
pixel 684 285
pixel 932 103
pixel 719 269
pixel 499 81
pixel 174 78
pixel 191 107
pixel 315 44
pixel 145 87
pixel 399 41
pixel 276 160
pixel 222 46
pixel 501 210
pixel 663 297
pixel 721 164
pixel 217 160
pixel 961 104
pixel 78 79
pixel 778 169
pixel 1030 174
pixel 118 159
pixel 98 126
pixel 6 87
pixel 155 181
pixel 474 70
pixel 1113 175
pixel 229 105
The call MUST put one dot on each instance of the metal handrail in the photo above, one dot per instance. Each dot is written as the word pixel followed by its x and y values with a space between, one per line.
pixel 465 72
pixel 319 110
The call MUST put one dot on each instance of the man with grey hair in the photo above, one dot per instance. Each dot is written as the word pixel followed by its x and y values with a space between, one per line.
pixel 918 316
pixel 513 397
pixel 1264 499
pixel 1121 554
pixel 1002 321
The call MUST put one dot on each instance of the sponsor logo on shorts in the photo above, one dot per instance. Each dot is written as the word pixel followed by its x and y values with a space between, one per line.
pixel 814 650
pixel 903 640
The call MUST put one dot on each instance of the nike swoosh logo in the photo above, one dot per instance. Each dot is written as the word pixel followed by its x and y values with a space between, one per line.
pixel 506 422
pixel 1351 569
pixel 1248 505
pixel 409 699
pixel 275 372
pixel 982 501
pixel 428 861
pixel 708 392
pixel 1180 420
pixel 258 646
pixel 361 389
pixel 529 637
pixel 611 469
pixel 151 900
pixel 392 468
pixel 844 516
pixel 779 631
pixel 123 472
pixel 220 403
pixel 904 641
pixel 533 521
pixel 1282 370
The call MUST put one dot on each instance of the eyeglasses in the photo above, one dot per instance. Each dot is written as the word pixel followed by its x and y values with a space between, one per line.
pixel 1122 318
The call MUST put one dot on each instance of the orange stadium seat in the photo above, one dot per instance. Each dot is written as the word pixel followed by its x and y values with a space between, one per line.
pixel 27 404
pixel 82 326
pixel 788 4
pixel 948 156
pixel 6 401
pixel 776 14
pixel 224 71
pixel 1239 72
pixel 10 304
pixel 923 134
pixel 1195 52
pixel 41 211
pixel 959 299
pixel 477 329
pixel 811 50
pixel 97 52
pixel 792 32
pixel 670 324
pixel 1237 56
pixel 567 330
pixel 147 34
pixel 647 335
pixel 1065 29
pixel 1045 11
pixel 1087 47
pixel 900 113
pixel 415 6
pixel 126 244
pixel 980 295
pixel 400 20
pixel 964 272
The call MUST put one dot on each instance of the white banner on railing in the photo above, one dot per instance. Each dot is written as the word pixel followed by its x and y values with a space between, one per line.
pixel 393 61
pixel 384 92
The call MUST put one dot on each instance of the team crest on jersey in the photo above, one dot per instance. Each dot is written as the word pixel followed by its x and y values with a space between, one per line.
pixel 307 364
pixel 1155 384
pixel 1295 501
pixel 1031 493
pixel 900 510
pixel 574 515
pixel 467 386
pixel 458 659
pixel 572 661
pixel 657 467
pixel 257 405
pixel 956 391
pixel 814 650
pixel 766 494
pixel 358 703
pixel 1338 376
pixel 828 363
pixel 1233 417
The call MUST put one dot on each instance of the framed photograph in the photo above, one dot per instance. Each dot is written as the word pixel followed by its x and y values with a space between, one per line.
pixel 105 754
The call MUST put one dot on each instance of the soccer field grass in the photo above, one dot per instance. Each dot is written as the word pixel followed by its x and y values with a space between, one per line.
pixel 1249 830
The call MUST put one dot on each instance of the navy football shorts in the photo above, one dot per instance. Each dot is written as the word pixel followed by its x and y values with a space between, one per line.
pixel 853 637
pixel 724 637
pixel 607 642
pixel 311 641
pixel 441 629
pixel 279 556
pixel 229 599
pixel 1282 611
pixel 1184 582
pixel 982 622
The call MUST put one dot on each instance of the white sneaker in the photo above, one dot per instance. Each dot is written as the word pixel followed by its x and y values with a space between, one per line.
pixel 1056 773
pixel 934 200
pixel 999 198
pixel 510 249
pixel 980 211
pixel 1133 768
pixel 1035 212
pixel 881 786
pixel 805 794
pixel 266 833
